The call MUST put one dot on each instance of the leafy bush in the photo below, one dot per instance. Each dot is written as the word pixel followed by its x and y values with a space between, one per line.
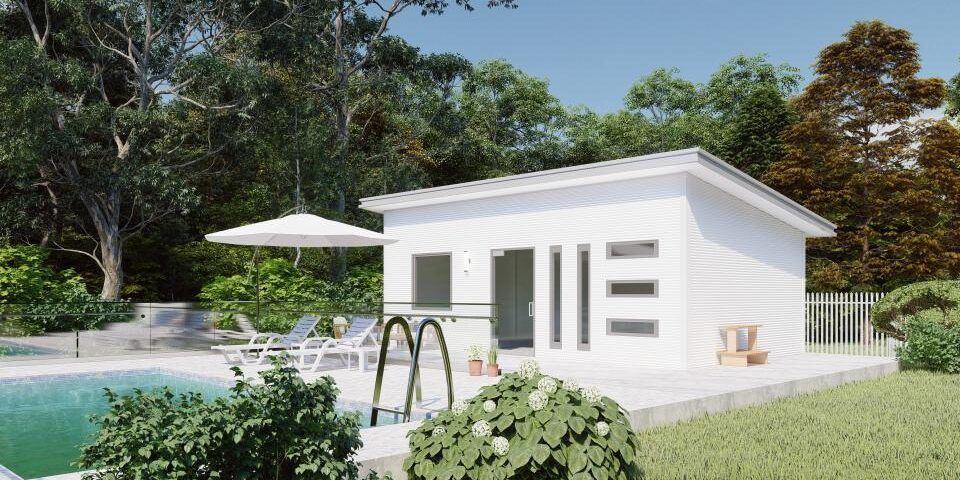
pixel 286 293
pixel 527 426
pixel 282 428
pixel 931 345
pixel 46 299
pixel 937 301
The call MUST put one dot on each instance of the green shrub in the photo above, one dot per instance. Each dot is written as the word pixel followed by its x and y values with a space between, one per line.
pixel 280 429
pixel 931 345
pixel 527 426
pixel 937 301
pixel 35 299
pixel 287 293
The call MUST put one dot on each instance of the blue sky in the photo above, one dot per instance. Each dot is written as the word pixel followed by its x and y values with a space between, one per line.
pixel 591 51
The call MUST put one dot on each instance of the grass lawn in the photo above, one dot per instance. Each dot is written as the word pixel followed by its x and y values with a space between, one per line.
pixel 905 426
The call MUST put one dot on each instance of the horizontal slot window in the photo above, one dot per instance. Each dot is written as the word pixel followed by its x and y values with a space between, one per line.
pixel 632 288
pixel 634 249
pixel 632 327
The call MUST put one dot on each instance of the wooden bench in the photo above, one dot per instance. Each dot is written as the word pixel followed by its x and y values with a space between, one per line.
pixel 734 357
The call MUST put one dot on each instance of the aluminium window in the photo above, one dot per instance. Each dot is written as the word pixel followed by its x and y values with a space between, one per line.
pixel 633 249
pixel 632 288
pixel 633 327
pixel 432 281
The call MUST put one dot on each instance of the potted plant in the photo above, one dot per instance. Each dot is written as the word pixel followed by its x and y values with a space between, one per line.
pixel 493 369
pixel 475 360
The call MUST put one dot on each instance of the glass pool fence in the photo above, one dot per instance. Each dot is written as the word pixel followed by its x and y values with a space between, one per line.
pixel 98 329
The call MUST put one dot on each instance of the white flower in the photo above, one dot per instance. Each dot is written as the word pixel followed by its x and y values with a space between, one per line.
pixel 571 385
pixel 537 400
pixel 439 431
pixel 475 352
pixel 458 407
pixel 489 406
pixel 529 369
pixel 592 394
pixel 500 446
pixel 547 385
pixel 603 429
pixel 481 429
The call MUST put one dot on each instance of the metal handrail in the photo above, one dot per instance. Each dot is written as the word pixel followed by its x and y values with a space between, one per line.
pixel 413 377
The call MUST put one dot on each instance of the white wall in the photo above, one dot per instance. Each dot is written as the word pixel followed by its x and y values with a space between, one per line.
pixel 744 266
pixel 639 209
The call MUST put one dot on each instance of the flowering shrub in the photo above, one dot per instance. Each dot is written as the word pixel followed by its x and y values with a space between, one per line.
pixel 527 426
pixel 475 352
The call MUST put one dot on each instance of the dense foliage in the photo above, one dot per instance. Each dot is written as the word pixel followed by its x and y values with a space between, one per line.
pixel 899 427
pixel 280 429
pixel 927 316
pixel 66 305
pixel 938 301
pixel 286 293
pixel 859 157
pixel 931 345
pixel 527 426
pixel 120 162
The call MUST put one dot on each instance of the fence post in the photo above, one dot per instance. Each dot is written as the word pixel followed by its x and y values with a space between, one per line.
pixel 77 351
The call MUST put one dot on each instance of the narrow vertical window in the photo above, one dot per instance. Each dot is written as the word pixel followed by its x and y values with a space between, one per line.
pixel 555 298
pixel 583 296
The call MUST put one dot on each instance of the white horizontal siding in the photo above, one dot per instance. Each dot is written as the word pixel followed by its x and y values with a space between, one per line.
pixel 744 266
pixel 639 209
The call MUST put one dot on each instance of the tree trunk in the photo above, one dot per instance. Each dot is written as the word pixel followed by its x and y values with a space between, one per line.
pixel 104 211
pixel 343 150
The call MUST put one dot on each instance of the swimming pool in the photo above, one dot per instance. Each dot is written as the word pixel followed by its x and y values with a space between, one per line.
pixel 13 350
pixel 44 419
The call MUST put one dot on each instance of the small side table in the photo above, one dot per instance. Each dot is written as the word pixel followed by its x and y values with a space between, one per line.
pixel 741 358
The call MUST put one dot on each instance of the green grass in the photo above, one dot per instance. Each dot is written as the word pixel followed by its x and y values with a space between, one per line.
pixel 905 426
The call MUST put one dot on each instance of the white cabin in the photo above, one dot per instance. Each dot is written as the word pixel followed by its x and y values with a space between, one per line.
pixel 631 263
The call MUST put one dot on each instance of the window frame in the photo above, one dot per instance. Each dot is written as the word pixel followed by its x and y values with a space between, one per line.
pixel 584 279
pixel 556 301
pixel 655 294
pixel 414 305
pixel 656 327
pixel 611 256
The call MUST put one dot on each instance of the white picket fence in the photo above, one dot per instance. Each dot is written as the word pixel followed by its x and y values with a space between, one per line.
pixel 839 322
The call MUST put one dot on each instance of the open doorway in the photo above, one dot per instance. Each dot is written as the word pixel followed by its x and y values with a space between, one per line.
pixel 513 294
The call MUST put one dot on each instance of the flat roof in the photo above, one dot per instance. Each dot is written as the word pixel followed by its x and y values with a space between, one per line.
pixel 695 161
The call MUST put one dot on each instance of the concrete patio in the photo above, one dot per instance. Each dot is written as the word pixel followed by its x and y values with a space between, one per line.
pixel 652 397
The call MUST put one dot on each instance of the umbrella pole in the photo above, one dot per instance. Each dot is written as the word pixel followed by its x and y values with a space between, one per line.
pixel 256 261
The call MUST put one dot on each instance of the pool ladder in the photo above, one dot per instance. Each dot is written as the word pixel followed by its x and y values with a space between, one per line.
pixel 413 377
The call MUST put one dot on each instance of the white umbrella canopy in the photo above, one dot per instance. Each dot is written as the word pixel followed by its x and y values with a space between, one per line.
pixel 300 230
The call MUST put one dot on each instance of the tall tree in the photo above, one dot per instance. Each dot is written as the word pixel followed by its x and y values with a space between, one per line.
pixel 348 35
pixel 858 156
pixel 509 117
pixel 752 138
pixel 128 95
pixel 953 97
pixel 666 112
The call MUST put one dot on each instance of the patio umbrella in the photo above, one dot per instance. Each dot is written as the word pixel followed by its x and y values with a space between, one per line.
pixel 300 230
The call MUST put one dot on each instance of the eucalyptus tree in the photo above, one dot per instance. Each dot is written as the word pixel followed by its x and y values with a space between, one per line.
pixel 346 50
pixel 511 119
pixel 126 98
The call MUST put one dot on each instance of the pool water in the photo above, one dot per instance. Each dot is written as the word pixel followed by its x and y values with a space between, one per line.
pixel 13 350
pixel 44 420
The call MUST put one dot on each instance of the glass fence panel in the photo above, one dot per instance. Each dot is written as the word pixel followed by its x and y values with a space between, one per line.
pixel 44 331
